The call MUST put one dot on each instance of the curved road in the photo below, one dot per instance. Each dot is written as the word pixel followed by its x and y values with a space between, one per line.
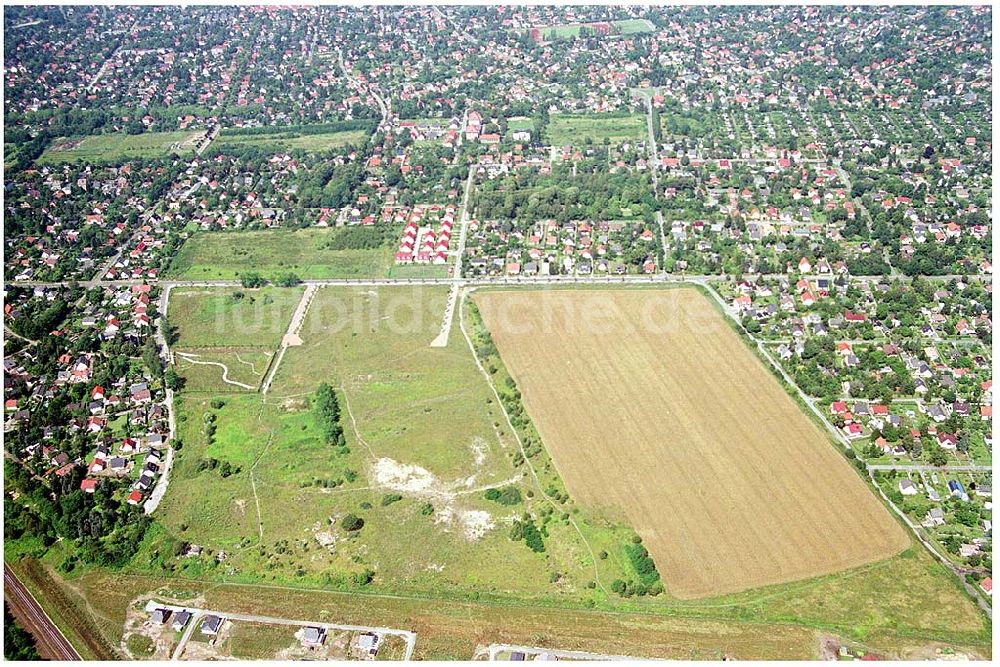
pixel 49 639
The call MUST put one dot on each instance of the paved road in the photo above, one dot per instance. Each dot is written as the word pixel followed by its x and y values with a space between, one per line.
pixel 925 468
pixel 367 88
pixel 197 614
pixel 654 159
pixel 160 489
pixel 213 132
pixel 463 217
pixel 49 639
pixel 499 280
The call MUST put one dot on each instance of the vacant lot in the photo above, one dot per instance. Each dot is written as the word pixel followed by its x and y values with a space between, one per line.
pixel 227 336
pixel 567 30
pixel 451 629
pixel 219 317
pixel 577 129
pixel 648 402
pixel 222 369
pixel 225 255
pixel 286 141
pixel 111 147
pixel 424 442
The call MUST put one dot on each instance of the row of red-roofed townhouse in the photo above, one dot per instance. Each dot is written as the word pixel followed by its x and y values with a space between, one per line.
pixel 422 244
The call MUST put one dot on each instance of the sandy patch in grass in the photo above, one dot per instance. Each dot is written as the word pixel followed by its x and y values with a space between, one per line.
pixel 419 482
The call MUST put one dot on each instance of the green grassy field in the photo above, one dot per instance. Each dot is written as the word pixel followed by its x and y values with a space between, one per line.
pixel 243 365
pixel 225 255
pixel 112 147
pixel 211 317
pixel 287 141
pixel 238 328
pixel 576 129
pixel 418 271
pixel 420 423
pixel 569 30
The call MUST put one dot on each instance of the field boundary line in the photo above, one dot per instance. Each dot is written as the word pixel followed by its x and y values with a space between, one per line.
pixel 253 484
pixel 354 423
pixel 517 436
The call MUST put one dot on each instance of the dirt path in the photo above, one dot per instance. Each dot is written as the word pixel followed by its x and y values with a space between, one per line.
pixel 520 444
pixel 354 423
pixel 192 359
pixel 291 337
pixel 253 485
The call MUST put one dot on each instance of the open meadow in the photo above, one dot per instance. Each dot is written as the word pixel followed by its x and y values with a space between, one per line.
pixel 579 129
pixel 216 316
pixel 226 337
pixel 114 147
pixel 648 402
pixel 288 140
pixel 570 30
pixel 258 479
pixel 305 252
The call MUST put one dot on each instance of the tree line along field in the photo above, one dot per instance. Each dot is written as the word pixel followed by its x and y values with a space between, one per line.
pixel 677 424
pixel 305 252
pixel 579 129
pixel 116 147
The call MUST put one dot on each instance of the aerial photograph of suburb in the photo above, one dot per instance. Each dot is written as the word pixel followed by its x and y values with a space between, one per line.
pixel 478 332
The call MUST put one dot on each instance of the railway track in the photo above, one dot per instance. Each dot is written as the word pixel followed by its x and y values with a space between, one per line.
pixel 49 639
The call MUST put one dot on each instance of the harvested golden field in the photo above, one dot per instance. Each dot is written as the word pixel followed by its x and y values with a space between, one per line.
pixel 652 407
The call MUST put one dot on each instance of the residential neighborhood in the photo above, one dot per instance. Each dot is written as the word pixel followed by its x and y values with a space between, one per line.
pixel 324 318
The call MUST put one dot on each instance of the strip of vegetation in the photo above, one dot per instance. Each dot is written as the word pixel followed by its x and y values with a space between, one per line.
pixel 300 130
pixel 253 280
pixel 224 467
pixel 362 237
pixel 642 563
pixel 18 644
pixel 327 409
